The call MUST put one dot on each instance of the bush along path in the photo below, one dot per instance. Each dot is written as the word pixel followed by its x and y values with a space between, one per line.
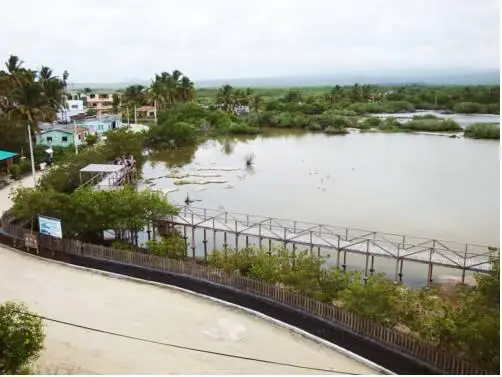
pixel 463 320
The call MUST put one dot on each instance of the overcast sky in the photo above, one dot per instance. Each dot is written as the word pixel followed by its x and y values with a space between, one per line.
pixel 120 40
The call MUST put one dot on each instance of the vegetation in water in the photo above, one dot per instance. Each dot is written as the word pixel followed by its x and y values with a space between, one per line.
pixel 21 338
pixel 460 319
pixel 483 131
pixel 432 125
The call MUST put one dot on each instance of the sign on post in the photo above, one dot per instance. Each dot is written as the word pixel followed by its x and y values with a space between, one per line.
pixel 50 226
pixel 30 241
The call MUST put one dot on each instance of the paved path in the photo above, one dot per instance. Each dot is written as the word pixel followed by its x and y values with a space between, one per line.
pixel 153 312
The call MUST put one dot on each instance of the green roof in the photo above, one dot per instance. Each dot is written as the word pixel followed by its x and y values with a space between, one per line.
pixel 4 155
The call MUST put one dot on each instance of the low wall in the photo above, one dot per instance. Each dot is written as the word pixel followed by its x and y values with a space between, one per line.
pixel 243 291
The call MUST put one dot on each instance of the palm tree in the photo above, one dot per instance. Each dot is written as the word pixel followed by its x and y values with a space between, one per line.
pixel 134 96
pixel 30 98
pixel 226 97
pixel 31 107
pixel 256 102
pixel 186 90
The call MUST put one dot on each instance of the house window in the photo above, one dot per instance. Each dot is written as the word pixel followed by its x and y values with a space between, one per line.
pixel 64 139
pixel 74 106
pixel 49 139
pixel 92 96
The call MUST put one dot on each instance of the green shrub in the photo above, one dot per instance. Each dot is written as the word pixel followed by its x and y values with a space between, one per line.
pixel 468 108
pixel 15 171
pixel 172 246
pixel 425 116
pixel 335 131
pixel 372 122
pixel 314 127
pixel 242 129
pixel 432 125
pixel 21 337
pixel 91 139
pixel 483 131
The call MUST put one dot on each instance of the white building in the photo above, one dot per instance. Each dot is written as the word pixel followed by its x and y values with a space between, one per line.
pixel 73 107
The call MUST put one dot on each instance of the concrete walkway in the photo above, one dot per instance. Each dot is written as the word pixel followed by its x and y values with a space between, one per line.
pixel 157 313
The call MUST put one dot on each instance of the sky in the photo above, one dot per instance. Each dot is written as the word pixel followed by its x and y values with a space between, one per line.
pixel 124 40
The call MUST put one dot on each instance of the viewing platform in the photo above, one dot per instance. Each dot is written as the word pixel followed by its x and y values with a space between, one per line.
pixel 107 176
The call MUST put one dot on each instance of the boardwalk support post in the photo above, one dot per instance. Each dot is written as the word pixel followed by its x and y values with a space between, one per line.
pixel 185 238
pixel 465 264
pixel 366 262
pixel 193 241
pixel 205 246
pixel 429 272
pixel 401 271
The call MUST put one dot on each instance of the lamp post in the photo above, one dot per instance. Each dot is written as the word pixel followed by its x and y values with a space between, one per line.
pixel 32 157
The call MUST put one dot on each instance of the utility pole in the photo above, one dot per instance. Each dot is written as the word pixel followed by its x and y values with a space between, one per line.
pixel 32 157
pixel 75 136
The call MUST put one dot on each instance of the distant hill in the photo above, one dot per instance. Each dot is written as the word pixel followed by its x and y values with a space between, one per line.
pixel 443 77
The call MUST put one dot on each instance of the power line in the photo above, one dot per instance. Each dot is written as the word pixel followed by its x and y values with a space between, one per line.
pixel 186 347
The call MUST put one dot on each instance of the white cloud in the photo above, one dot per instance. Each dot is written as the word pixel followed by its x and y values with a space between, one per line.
pixel 116 40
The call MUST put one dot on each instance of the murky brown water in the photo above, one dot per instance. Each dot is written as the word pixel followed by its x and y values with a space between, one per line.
pixel 428 186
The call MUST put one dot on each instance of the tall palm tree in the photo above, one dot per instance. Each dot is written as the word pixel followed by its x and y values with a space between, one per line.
pixel 31 107
pixel 226 97
pixel 186 89
pixel 256 102
pixel 135 96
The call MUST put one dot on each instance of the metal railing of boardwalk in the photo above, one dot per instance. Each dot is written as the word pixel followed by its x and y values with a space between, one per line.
pixel 409 344
pixel 467 257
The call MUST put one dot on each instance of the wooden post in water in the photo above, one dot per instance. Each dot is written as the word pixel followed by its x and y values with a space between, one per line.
pixel 247 242
pixel 366 263
pixel 193 241
pixel 372 268
pixel 205 246
pixel 338 251
pixel 397 265
pixel 429 272
pixel 344 265
pixel 465 263
pixel 186 239
pixel 259 237
pixel 311 245
pixel 214 237
pixel 225 245
pixel 236 236
pixel 401 271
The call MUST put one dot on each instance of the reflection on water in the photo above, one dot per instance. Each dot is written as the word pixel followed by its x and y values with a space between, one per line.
pixel 400 183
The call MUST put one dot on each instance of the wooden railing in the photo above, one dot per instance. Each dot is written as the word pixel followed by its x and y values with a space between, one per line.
pixel 406 343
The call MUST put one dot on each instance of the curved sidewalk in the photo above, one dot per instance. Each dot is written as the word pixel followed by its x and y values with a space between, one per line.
pixel 157 313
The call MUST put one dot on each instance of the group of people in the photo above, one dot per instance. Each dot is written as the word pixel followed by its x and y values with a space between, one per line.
pixel 125 160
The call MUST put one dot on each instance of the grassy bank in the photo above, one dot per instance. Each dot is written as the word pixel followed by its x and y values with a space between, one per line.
pixel 483 131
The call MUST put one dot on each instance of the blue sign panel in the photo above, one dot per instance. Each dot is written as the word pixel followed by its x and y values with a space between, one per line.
pixel 49 226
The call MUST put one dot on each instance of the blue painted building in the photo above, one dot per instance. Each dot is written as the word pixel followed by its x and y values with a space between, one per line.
pixel 101 124
pixel 59 137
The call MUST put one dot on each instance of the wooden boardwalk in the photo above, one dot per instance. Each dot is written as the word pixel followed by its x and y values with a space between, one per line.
pixel 467 257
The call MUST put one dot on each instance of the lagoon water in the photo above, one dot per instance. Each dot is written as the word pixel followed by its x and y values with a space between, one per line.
pixel 463 120
pixel 418 185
